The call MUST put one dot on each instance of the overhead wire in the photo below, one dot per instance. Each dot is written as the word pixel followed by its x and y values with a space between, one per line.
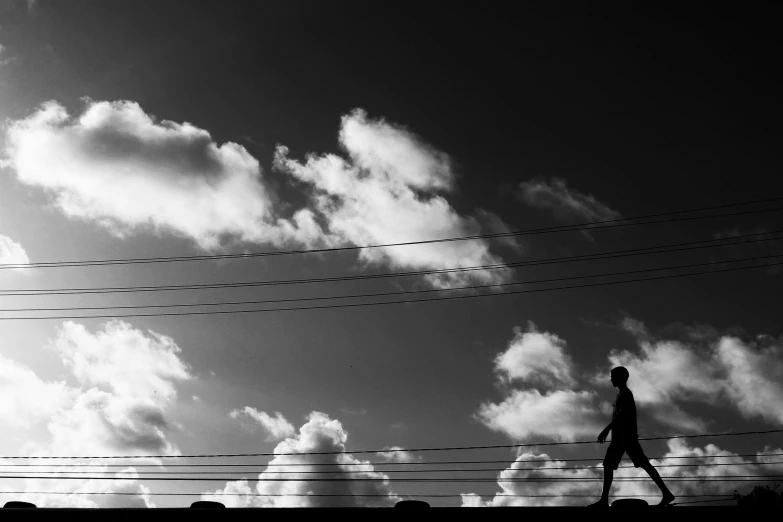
pixel 703 501
pixel 389 450
pixel 412 463
pixel 630 221
pixel 707 478
pixel 395 293
pixel 383 303
pixel 658 249
pixel 377 495
pixel 348 472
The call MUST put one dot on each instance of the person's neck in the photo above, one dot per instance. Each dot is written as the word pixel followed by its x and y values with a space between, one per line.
pixel 622 387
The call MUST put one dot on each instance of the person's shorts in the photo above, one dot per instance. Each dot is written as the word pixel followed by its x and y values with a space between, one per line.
pixel 614 454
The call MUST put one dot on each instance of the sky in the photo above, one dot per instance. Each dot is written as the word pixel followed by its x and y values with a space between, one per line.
pixel 133 130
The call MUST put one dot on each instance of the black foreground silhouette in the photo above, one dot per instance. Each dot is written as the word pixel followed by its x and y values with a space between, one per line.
pixel 625 439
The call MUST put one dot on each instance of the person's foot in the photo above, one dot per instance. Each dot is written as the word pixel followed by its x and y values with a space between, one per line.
pixel 667 499
pixel 601 503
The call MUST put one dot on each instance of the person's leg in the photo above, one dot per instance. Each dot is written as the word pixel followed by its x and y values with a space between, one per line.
pixel 640 460
pixel 614 453
pixel 668 497
pixel 608 476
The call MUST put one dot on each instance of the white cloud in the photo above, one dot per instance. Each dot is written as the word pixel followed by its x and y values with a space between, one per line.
pixel 673 415
pixel 718 369
pixel 754 377
pixel 26 398
pixel 126 384
pixel 128 381
pixel 703 458
pixel 115 165
pixel 85 493
pixel 536 360
pixel 101 423
pixel 277 427
pixel 398 454
pixel 122 359
pixel 700 458
pixel 391 189
pixel 531 466
pixel 663 371
pixel 318 434
pixel 710 369
pixel 536 357
pixel 12 253
pixel 634 327
pixel 558 415
pixel 555 195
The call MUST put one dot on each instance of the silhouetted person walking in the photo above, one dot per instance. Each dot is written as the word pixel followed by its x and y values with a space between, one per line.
pixel 625 440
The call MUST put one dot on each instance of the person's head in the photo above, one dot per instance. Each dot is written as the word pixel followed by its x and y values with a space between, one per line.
pixel 619 376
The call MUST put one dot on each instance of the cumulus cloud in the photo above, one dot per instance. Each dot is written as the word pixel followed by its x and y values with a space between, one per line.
pixel 747 375
pixel 536 361
pixel 12 253
pixel 86 493
pixel 391 188
pixel 536 357
pixel 559 414
pixel 666 375
pixel 661 372
pixel 128 380
pixel 518 480
pixel 122 359
pixel 115 165
pixel 276 428
pixel 125 384
pixel 26 398
pixel 701 463
pixel 698 462
pixel 293 456
pixel 753 377
pixel 564 202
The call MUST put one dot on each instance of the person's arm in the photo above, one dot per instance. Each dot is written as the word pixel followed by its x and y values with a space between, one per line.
pixel 605 433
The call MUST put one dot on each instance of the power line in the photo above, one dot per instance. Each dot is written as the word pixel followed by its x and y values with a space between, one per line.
pixel 705 478
pixel 386 463
pixel 702 501
pixel 348 472
pixel 658 249
pixel 393 450
pixel 402 301
pixel 390 294
pixel 632 221
pixel 378 495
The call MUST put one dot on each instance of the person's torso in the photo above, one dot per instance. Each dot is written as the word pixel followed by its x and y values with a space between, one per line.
pixel 624 416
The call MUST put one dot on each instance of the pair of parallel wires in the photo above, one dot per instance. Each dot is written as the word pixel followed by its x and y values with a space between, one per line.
pixel 442 294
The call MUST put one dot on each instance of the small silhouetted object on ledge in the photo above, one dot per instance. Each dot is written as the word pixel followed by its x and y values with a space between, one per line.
pixel 630 503
pixel 206 504
pixel 411 504
pixel 625 440
pixel 16 504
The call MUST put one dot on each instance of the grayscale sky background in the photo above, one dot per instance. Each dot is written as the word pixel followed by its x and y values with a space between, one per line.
pixel 134 130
